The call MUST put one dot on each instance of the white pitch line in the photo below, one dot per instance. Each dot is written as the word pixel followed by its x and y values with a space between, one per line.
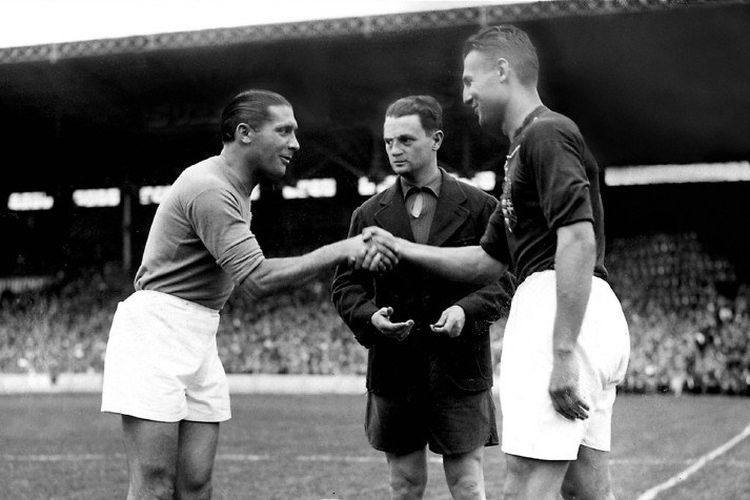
pixel 243 457
pixel 698 465
pixel 58 458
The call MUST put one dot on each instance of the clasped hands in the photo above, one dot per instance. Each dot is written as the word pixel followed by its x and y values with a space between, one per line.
pixel 378 252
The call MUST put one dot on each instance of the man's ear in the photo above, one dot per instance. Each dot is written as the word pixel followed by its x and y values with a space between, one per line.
pixel 437 139
pixel 502 66
pixel 244 133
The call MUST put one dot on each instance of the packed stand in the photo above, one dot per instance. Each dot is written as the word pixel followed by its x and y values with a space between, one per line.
pixel 686 336
pixel 65 329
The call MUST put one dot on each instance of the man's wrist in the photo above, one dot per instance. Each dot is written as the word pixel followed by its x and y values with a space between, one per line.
pixel 405 248
pixel 563 350
pixel 344 249
pixel 459 306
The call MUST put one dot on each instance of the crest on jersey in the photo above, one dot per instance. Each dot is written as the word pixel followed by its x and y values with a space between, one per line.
pixel 506 200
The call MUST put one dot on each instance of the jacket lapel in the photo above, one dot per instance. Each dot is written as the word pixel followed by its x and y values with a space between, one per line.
pixel 392 214
pixel 450 213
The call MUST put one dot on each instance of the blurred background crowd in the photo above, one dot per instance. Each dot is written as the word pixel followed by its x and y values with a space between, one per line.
pixel 688 315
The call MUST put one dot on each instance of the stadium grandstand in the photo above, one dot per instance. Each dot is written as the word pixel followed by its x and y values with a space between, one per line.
pixel 94 131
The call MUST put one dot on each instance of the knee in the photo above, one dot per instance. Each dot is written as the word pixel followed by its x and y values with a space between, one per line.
pixel 514 485
pixel 574 490
pixel 464 475
pixel 193 490
pixel 517 468
pixel 408 485
pixel 467 488
pixel 194 486
pixel 153 481
pixel 569 490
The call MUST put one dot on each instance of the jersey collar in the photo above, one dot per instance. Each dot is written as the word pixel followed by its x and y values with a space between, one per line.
pixel 529 119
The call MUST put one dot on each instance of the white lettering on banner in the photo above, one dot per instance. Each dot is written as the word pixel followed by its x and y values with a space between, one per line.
pixel 34 200
pixel 109 197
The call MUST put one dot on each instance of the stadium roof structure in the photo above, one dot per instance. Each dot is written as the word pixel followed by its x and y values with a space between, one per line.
pixel 648 81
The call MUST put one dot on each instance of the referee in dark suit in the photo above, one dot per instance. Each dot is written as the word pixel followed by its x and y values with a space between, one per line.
pixel 429 370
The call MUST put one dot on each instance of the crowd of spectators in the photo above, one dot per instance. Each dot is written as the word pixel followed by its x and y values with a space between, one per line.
pixel 688 315
pixel 62 328
pixel 689 321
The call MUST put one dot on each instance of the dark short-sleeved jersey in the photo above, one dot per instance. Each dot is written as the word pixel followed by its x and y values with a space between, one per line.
pixel 551 181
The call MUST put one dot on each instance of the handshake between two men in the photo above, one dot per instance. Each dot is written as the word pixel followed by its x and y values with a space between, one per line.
pixel 380 252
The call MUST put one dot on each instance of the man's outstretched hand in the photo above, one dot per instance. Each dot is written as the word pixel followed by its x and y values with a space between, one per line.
pixel 381 320
pixel 563 387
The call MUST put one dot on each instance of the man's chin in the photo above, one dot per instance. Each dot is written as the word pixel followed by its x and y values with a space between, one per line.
pixel 273 175
pixel 488 123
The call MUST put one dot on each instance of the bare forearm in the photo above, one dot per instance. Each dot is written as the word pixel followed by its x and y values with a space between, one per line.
pixel 274 275
pixel 466 264
pixel 574 266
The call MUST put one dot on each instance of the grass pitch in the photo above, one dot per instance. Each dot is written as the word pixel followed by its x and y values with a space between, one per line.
pixel 313 447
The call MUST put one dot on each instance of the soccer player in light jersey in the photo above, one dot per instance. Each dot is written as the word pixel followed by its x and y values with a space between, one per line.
pixel 162 372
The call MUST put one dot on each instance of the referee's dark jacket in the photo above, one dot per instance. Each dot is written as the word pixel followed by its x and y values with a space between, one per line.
pixel 424 360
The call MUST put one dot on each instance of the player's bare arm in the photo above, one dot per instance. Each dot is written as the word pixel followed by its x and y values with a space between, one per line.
pixel 574 265
pixel 274 275
pixel 470 264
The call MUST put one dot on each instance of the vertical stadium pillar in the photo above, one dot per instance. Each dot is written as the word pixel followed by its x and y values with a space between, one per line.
pixel 127 218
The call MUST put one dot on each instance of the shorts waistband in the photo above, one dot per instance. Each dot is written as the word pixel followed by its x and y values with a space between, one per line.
pixel 547 274
pixel 167 297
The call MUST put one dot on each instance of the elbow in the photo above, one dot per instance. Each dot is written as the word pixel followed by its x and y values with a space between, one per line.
pixel 486 269
pixel 580 234
pixel 586 244
pixel 254 289
pixel 257 285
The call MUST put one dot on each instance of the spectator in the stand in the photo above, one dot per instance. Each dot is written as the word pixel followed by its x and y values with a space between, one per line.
pixel 429 367
pixel 162 372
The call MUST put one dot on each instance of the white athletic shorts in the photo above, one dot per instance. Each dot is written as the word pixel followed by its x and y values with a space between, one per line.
pixel 162 363
pixel 531 426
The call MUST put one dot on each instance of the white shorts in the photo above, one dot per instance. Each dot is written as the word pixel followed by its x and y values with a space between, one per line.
pixel 162 363
pixel 531 426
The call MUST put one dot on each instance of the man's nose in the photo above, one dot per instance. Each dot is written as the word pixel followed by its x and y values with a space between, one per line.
pixel 294 144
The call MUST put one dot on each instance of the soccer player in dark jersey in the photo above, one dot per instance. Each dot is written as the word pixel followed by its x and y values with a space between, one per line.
pixel 566 342
pixel 162 371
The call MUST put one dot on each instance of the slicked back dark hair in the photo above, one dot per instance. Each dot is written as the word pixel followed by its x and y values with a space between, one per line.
pixel 425 106
pixel 251 107
pixel 510 42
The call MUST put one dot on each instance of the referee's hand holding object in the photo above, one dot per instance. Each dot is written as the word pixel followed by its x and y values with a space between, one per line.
pixel 451 322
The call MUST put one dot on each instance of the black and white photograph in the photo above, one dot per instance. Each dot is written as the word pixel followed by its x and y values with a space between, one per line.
pixel 375 249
